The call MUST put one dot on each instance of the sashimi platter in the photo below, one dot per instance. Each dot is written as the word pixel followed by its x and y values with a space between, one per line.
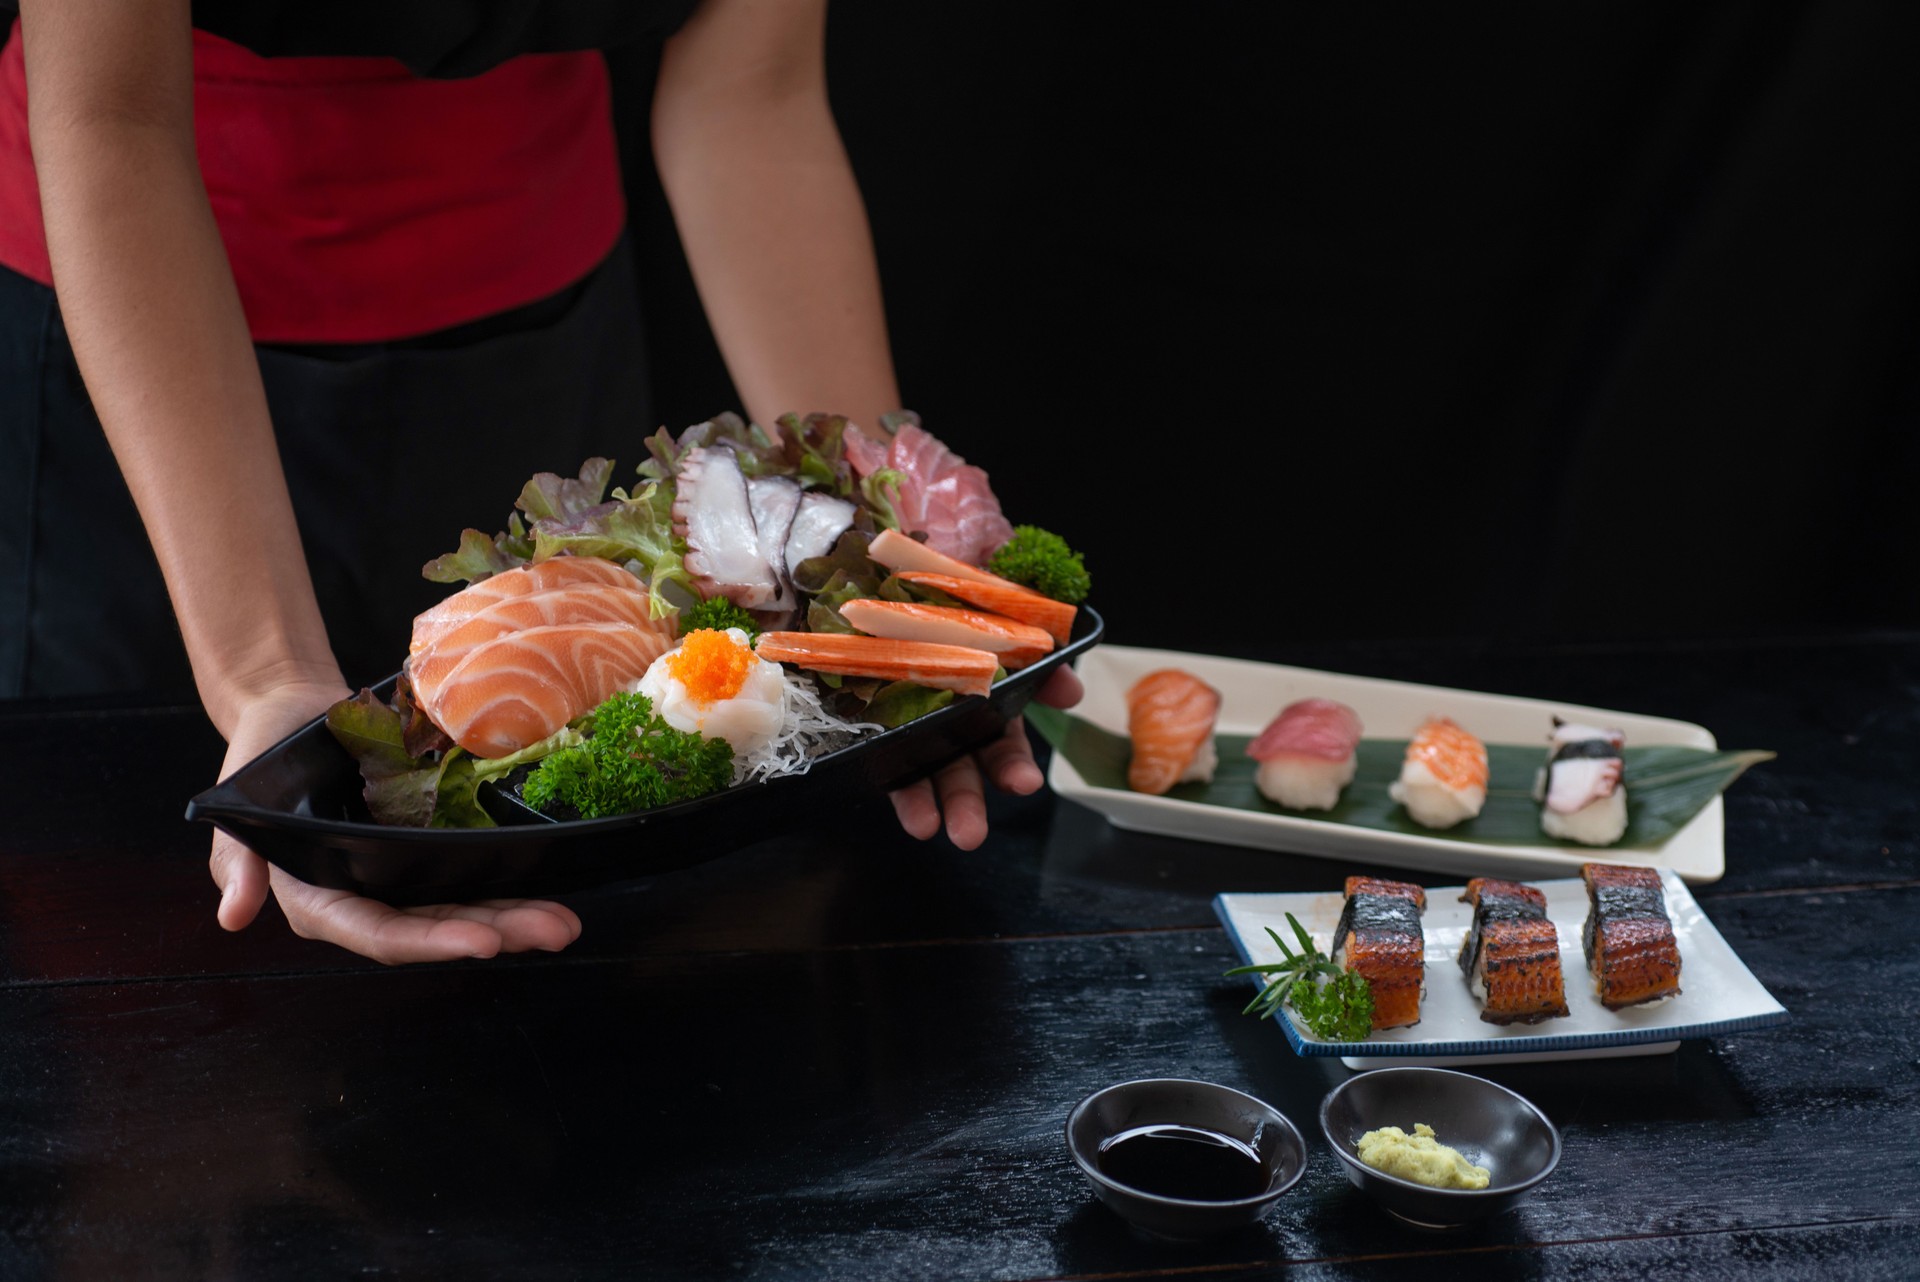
pixel 763 609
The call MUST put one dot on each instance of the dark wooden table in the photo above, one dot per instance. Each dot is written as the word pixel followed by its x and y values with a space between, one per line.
pixel 845 1054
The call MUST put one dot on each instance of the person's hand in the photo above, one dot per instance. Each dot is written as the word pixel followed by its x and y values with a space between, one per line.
pixel 958 791
pixel 439 932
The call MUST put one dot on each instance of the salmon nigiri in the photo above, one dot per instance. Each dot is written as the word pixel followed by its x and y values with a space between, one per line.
pixel 1443 780
pixel 1170 718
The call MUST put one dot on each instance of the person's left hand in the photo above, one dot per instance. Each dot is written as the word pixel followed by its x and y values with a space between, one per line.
pixel 958 791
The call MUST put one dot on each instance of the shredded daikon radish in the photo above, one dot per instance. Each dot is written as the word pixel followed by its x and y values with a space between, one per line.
pixel 807 730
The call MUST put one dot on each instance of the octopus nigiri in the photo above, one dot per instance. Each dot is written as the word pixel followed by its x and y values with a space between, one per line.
pixel 1580 790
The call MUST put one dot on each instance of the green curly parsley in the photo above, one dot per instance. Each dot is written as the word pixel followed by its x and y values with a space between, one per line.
pixel 1335 1004
pixel 1041 560
pixel 719 614
pixel 631 760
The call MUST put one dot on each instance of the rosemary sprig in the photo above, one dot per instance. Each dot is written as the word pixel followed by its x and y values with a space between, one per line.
pixel 1335 1004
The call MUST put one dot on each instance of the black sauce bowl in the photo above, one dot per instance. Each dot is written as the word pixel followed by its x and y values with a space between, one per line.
pixel 1488 1124
pixel 1176 1101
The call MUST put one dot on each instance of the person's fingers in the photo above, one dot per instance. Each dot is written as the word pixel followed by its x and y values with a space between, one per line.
pixel 524 924
pixel 242 878
pixel 916 809
pixel 1062 688
pixel 963 801
pixel 1008 761
pixel 377 930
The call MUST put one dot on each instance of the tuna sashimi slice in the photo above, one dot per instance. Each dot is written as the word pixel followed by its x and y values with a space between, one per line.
pixel 542 576
pixel 941 495
pixel 944 667
pixel 1319 728
pixel 1001 597
pixel 517 689
pixel 1017 644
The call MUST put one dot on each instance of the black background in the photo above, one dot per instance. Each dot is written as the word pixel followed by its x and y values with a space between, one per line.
pixel 1507 322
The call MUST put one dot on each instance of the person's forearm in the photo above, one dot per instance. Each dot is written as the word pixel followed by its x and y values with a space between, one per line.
pixel 161 340
pixel 769 213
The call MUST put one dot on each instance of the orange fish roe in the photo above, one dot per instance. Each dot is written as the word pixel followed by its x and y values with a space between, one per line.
pixel 711 665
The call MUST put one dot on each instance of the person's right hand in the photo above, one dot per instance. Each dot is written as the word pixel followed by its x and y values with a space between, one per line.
pixel 438 932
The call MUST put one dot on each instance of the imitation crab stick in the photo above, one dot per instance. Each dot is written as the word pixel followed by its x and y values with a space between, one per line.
pixel 944 667
pixel 1017 644
pixel 1001 597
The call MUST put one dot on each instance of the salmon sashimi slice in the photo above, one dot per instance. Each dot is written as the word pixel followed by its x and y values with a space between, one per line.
pixel 555 572
pixel 961 669
pixel 1170 718
pixel 517 689
pixel 1002 597
pixel 1631 950
pixel 1380 937
pixel 1512 952
pixel 1017 644
pixel 597 603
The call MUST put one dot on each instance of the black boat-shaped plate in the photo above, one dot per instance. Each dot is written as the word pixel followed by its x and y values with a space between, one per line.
pixel 299 805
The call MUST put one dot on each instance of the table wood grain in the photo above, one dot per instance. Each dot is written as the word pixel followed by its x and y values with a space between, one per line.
pixel 844 1053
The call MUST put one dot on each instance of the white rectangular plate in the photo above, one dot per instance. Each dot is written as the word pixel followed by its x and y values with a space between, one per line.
pixel 1252 694
pixel 1718 994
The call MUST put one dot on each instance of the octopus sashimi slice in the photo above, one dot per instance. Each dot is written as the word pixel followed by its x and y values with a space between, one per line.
pixel 596 603
pixel 713 513
pixel 517 689
pixel 818 524
pixel 1321 728
pixel 774 501
pixel 555 572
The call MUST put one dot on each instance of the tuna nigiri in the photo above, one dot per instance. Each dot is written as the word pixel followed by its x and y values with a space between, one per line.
pixel 1306 754
pixel 1443 780
pixel 1170 718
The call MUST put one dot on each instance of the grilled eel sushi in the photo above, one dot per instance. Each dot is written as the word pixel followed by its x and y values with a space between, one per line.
pixel 1512 953
pixel 1631 950
pixel 1379 935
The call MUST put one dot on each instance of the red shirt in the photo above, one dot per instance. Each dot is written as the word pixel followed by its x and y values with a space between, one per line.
pixel 360 202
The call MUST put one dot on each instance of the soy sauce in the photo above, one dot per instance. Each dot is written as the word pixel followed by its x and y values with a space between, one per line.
pixel 1184 1162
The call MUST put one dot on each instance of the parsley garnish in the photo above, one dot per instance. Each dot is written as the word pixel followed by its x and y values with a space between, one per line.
pixel 1335 1004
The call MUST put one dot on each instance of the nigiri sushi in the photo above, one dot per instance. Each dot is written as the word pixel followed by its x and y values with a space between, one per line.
pixel 1512 952
pixel 1443 780
pixel 1306 754
pixel 1170 718
pixel 1580 790
pixel 1379 935
pixel 1631 950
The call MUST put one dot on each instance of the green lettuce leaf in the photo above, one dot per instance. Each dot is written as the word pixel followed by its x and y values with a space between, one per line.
pixel 400 788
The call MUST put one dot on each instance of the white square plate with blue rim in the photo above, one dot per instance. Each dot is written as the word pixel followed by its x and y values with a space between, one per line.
pixel 1251 693
pixel 1718 994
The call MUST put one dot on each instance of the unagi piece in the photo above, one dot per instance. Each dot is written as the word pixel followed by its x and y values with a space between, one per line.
pixel 1631 950
pixel 1379 936
pixel 1513 952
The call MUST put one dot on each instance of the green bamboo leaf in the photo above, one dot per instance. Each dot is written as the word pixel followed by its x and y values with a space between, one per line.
pixel 1667 785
